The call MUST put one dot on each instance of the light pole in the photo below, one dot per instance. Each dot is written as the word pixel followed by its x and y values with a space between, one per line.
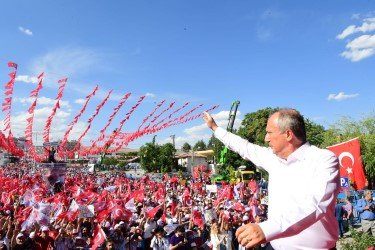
pixel 173 142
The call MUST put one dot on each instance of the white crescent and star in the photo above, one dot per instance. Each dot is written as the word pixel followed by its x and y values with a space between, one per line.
pixel 349 170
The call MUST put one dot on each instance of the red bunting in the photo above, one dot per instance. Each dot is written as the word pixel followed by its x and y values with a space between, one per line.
pixel 98 108
pixel 12 65
pixel 115 111
pixel 47 126
pixel 62 151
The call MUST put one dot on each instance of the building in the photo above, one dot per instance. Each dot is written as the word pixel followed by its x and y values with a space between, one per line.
pixel 194 158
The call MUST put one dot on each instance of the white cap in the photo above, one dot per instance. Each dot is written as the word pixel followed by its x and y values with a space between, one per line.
pixel 187 216
pixel 32 235
pixel 20 235
pixel 45 228
pixel 117 226
pixel 247 209
pixel 121 222
pixel 245 217
pixel 174 220
pixel 107 224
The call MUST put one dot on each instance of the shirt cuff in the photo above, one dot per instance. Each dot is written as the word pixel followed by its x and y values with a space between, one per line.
pixel 220 132
pixel 270 229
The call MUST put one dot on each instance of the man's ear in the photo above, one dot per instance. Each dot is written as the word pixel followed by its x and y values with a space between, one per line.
pixel 289 135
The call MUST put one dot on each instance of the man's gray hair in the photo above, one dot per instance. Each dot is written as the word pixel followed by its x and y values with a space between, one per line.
pixel 366 192
pixel 293 120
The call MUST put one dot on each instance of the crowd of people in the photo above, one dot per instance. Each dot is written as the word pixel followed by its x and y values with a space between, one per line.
pixel 111 211
pixel 40 210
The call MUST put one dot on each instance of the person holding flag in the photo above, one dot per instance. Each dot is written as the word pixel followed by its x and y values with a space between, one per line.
pixel 303 178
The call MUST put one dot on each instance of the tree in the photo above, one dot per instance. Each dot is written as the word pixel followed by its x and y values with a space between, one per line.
pixel 216 145
pixel 314 133
pixel 186 147
pixel 200 145
pixel 154 157
pixel 253 126
pixel 149 154
pixel 110 161
pixel 167 159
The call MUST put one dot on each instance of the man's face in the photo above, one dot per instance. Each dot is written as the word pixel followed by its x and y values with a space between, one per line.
pixel 20 240
pixel 275 138
pixel 109 246
pixel 368 196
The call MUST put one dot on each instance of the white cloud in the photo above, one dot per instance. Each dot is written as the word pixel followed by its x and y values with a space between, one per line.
pixel 341 96
pixel 27 79
pixel 346 32
pixel 42 101
pixel 362 46
pixel 80 101
pixel 368 25
pixel 362 42
pixel 64 62
pixel 25 31
pixel 150 95
pixel 58 127
pixel 357 55
pixel 356 16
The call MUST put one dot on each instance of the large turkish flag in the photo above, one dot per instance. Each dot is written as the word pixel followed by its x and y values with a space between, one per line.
pixel 349 154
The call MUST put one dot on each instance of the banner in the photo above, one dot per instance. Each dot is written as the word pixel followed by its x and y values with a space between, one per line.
pixel 349 155
pixel 211 188
pixel 53 172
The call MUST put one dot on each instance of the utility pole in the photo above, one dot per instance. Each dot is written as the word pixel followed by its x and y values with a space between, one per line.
pixel 173 136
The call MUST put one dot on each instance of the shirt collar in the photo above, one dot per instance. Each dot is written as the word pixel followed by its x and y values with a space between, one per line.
pixel 298 155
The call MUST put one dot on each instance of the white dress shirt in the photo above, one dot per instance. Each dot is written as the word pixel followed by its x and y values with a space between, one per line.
pixel 302 193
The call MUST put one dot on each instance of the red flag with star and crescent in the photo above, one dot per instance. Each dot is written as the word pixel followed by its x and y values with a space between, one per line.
pixel 99 237
pixel 349 155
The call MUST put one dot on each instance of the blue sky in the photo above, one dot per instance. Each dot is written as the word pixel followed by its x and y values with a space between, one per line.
pixel 315 56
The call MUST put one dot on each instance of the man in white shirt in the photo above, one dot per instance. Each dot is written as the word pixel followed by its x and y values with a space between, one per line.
pixel 303 185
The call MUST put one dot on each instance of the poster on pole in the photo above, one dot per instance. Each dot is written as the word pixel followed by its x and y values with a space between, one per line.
pixel 211 188
pixel 53 172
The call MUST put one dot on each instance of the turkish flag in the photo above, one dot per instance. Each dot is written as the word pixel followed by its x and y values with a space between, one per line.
pixel 12 65
pixel 152 212
pixel 99 237
pixel 349 155
pixel 64 80
pixel 198 219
